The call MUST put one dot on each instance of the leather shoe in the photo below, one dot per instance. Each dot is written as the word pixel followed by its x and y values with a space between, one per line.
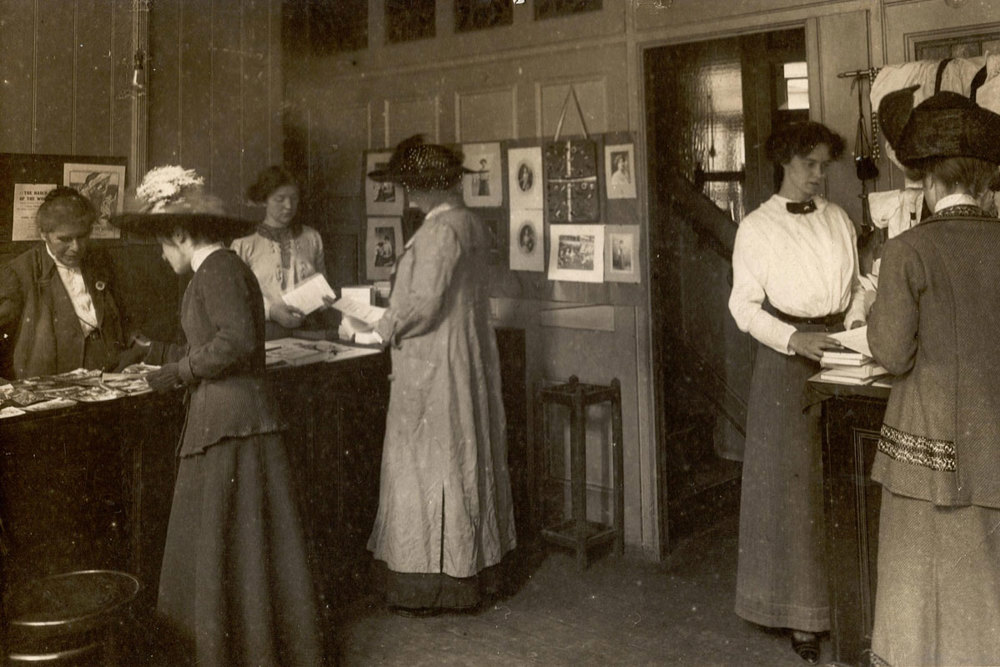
pixel 808 648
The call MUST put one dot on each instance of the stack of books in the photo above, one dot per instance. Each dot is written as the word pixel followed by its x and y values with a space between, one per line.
pixel 849 367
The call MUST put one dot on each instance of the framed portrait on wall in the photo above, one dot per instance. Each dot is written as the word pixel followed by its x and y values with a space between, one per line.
pixel 621 253
pixel 483 185
pixel 382 198
pixel 383 243
pixel 524 177
pixel 619 167
pixel 527 243
pixel 576 253
pixel 104 186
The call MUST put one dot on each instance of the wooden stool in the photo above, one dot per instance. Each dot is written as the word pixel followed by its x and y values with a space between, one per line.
pixel 578 533
pixel 68 619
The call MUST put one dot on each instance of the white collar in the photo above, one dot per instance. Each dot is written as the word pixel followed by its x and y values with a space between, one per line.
pixel 957 199
pixel 202 253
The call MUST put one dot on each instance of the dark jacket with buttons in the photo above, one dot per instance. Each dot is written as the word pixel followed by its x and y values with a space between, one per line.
pixel 222 363
pixel 41 329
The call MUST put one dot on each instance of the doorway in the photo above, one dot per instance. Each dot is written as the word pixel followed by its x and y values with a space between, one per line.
pixel 709 107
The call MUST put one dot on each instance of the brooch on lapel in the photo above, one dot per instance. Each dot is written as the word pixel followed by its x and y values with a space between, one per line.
pixel 100 285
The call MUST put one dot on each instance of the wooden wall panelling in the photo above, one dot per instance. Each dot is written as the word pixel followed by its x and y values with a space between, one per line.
pixel 94 74
pixel 122 62
pixel 17 68
pixel 230 119
pixel 164 85
pixel 261 33
pixel 683 14
pixel 843 46
pixel 54 77
pixel 906 21
pixel 336 137
pixel 319 189
pixel 406 117
pixel 197 102
pixel 215 92
pixel 592 94
pixel 351 137
pixel 276 73
pixel 486 115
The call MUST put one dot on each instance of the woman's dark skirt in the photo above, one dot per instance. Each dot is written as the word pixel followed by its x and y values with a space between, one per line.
pixel 781 574
pixel 235 579
pixel 425 591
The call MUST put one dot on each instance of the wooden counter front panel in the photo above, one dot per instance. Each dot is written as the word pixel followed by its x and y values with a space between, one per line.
pixel 852 499
pixel 90 486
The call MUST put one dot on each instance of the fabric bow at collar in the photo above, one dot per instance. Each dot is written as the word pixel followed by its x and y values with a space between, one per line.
pixel 801 207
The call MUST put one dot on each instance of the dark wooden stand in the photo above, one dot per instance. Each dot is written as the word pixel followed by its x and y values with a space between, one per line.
pixel 578 533
pixel 852 418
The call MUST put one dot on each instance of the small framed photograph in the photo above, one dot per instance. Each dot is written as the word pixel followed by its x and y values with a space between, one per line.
pixel 527 245
pixel 383 244
pixel 524 177
pixel 619 166
pixel 382 198
pixel 484 185
pixel 104 186
pixel 494 222
pixel 576 253
pixel 621 253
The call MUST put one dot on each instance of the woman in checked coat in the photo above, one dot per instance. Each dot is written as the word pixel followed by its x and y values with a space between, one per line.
pixel 445 516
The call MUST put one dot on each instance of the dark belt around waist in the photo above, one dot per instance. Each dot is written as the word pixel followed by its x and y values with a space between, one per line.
pixel 824 320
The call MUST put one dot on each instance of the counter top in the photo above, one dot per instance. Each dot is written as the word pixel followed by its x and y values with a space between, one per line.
pixel 834 389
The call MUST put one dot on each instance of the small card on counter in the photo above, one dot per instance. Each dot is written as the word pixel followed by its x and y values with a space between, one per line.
pixel 308 296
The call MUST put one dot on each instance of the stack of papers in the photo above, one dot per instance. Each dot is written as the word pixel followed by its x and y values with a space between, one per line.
pixel 853 364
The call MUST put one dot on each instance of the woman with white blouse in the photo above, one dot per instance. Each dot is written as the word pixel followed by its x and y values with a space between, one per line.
pixel 795 281
pixel 281 252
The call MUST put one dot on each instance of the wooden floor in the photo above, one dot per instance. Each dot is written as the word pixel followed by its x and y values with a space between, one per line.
pixel 618 612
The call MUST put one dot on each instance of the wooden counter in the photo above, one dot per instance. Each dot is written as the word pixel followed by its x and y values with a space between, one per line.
pixel 90 486
pixel 852 418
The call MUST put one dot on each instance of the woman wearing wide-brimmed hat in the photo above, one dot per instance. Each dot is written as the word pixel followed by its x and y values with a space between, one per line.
pixel 234 579
pixel 445 515
pixel 936 325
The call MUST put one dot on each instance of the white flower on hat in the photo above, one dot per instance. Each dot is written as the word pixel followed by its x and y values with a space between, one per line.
pixel 163 185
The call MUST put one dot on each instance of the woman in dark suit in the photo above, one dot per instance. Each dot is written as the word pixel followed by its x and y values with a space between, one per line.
pixel 934 325
pixel 234 579
pixel 57 308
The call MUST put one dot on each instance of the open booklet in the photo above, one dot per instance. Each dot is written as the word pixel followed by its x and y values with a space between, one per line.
pixel 854 339
pixel 308 296
pixel 365 312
